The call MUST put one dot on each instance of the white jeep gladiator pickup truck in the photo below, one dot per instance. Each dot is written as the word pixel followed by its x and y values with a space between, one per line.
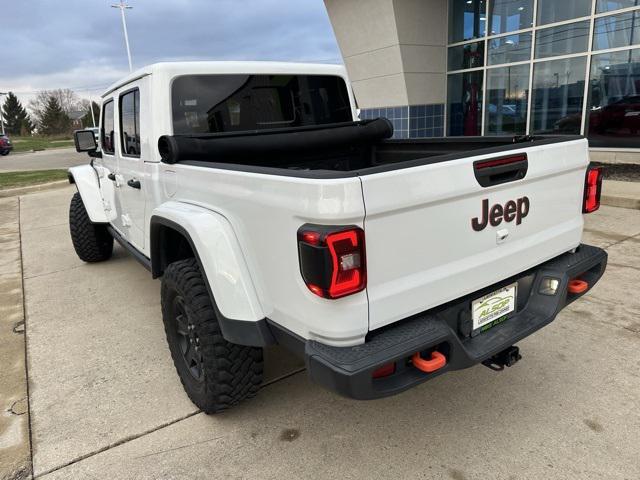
pixel 274 216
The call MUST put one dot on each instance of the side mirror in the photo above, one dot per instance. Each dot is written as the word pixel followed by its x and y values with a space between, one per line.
pixel 85 141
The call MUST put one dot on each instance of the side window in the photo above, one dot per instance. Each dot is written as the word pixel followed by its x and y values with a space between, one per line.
pixel 107 132
pixel 130 123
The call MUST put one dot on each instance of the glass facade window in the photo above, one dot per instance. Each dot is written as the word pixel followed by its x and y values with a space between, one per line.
pixel 507 99
pixel 464 103
pixel 470 55
pixel 550 11
pixel 510 15
pixel 509 49
pixel 562 40
pixel 558 94
pixel 525 71
pixel 611 5
pixel 467 19
pixel 613 118
pixel 617 31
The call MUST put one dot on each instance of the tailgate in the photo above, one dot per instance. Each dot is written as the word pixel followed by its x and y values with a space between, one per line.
pixel 423 249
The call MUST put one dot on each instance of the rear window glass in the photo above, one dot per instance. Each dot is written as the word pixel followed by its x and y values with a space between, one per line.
pixel 234 103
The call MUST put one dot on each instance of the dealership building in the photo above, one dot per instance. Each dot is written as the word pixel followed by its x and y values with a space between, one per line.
pixel 497 67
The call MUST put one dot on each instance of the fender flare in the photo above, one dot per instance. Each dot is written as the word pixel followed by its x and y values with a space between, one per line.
pixel 216 248
pixel 86 180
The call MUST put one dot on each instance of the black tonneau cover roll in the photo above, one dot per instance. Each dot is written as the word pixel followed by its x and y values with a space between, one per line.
pixel 236 147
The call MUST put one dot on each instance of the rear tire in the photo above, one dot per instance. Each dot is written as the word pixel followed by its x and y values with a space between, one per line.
pixel 215 374
pixel 92 241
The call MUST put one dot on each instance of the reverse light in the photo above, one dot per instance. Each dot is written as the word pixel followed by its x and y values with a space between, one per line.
pixel 332 259
pixel 549 286
pixel 592 190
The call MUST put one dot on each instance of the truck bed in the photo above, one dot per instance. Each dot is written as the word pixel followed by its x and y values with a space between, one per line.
pixel 357 148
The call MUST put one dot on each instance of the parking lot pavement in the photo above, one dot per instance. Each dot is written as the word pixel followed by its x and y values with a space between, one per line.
pixel 62 158
pixel 106 402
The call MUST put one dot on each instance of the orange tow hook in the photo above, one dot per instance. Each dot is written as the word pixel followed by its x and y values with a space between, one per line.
pixel 436 362
pixel 578 286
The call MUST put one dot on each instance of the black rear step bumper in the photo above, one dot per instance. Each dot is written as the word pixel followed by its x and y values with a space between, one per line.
pixel 348 370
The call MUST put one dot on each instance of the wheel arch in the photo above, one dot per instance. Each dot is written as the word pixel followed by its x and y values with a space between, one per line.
pixel 179 231
pixel 86 181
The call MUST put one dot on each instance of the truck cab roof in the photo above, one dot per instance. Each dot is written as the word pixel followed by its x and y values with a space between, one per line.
pixel 172 69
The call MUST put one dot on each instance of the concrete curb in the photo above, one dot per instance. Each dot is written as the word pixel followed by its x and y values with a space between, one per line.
pixel 622 202
pixel 15 448
pixel 621 194
pixel 14 192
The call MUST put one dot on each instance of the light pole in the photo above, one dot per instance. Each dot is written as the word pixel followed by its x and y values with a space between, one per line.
pixel 1 116
pixel 123 6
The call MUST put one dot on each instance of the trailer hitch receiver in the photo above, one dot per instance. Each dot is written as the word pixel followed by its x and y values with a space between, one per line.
pixel 506 358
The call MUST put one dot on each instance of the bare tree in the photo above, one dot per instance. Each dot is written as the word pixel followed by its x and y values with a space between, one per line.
pixel 66 98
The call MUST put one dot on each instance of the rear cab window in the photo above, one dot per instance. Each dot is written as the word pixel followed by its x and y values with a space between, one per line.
pixel 130 123
pixel 108 128
pixel 235 103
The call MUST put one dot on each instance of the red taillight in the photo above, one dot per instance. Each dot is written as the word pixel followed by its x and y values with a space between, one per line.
pixel 592 190
pixel 332 260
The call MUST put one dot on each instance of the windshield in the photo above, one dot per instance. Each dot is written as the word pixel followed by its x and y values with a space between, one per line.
pixel 234 103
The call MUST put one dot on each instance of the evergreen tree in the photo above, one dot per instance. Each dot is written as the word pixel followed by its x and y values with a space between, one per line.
pixel 54 120
pixel 87 120
pixel 16 119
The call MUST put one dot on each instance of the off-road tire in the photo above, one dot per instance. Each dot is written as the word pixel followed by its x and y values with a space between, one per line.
pixel 92 242
pixel 227 373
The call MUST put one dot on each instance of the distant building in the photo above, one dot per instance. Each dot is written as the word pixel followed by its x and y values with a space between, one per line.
pixel 76 119
pixel 504 67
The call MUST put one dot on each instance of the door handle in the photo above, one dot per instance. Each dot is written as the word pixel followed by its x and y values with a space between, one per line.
pixel 112 177
pixel 134 184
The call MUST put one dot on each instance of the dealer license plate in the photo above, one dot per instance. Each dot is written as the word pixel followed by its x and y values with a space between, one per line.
pixel 494 306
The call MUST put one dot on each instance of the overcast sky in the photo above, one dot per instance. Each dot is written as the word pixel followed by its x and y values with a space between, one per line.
pixel 79 44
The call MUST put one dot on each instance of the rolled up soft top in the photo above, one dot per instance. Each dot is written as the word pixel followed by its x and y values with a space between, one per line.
pixel 233 147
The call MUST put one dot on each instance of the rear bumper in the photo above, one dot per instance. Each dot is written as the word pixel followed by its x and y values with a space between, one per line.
pixel 348 370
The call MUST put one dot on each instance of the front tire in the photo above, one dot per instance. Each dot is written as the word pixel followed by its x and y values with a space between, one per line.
pixel 92 242
pixel 215 374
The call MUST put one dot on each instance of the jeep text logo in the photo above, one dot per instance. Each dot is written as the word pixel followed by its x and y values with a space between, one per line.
pixel 513 210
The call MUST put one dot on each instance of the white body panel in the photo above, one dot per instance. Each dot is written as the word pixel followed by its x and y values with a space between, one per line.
pixel 265 212
pixel 422 250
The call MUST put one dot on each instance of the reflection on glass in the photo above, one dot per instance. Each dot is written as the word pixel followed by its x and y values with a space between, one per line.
pixel 507 96
pixel 558 91
pixel 510 15
pixel 614 100
pixel 467 19
pixel 108 122
pixel 232 103
pixel 509 49
pixel 130 122
pixel 550 11
pixel 610 5
pixel 562 40
pixel 617 31
pixel 470 55
pixel 464 103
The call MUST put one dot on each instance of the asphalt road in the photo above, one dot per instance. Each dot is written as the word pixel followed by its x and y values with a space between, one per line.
pixel 45 160
pixel 105 401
